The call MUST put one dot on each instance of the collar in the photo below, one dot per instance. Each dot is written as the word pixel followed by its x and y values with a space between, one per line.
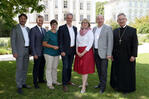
pixel 22 26
pixel 39 27
pixel 99 27
pixel 123 26
pixel 69 26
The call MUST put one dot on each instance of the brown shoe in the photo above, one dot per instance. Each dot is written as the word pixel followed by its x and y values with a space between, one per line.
pixel 65 88
pixel 70 83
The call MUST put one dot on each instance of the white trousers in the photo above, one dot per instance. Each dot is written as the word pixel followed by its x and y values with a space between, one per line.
pixel 51 68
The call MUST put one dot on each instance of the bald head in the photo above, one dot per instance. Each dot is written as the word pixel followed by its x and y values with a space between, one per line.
pixel 100 20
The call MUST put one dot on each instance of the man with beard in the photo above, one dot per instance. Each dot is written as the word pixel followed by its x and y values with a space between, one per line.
pixel 20 51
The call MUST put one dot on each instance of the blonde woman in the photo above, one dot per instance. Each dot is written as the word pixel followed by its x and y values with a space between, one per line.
pixel 84 60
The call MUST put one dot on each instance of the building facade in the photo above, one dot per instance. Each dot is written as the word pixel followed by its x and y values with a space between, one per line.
pixel 132 8
pixel 57 9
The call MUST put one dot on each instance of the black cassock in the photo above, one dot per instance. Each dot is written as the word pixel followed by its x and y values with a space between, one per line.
pixel 123 77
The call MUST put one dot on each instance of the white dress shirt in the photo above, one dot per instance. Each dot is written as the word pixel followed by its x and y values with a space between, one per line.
pixel 85 40
pixel 96 36
pixel 25 35
pixel 72 35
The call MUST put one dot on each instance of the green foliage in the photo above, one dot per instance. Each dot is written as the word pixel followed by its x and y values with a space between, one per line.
pixel 4 51
pixel 10 8
pixel 5 46
pixel 113 24
pixel 143 38
pixel 142 24
pixel 100 8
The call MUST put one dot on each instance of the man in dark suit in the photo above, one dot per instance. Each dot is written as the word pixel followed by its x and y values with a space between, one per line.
pixel 67 44
pixel 20 51
pixel 36 37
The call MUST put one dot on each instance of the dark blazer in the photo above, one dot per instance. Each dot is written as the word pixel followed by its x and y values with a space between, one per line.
pixel 64 39
pixel 17 40
pixel 36 39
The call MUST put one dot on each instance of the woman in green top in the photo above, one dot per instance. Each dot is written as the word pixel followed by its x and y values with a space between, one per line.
pixel 51 54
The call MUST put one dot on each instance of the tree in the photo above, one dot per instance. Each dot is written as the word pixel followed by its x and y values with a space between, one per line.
pixel 113 24
pixel 100 8
pixel 10 8
pixel 141 24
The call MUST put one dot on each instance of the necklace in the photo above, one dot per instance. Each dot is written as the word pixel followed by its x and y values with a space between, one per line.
pixel 120 37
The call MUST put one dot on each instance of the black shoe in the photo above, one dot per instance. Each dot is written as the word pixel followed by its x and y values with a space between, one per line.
pixel 98 86
pixel 101 91
pixel 42 81
pixel 36 86
pixel 26 86
pixel 19 90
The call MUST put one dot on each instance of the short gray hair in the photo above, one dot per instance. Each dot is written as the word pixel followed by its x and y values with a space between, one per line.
pixel 69 14
pixel 121 14
pixel 99 15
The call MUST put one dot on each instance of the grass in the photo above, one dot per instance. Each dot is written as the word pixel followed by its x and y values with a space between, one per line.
pixel 8 89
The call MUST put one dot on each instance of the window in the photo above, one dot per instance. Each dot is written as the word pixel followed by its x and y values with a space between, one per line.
pixel 136 4
pixel 88 6
pixel 46 17
pixel 74 17
pixel 56 16
pixel 81 17
pixel 65 3
pixel 46 3
pixel 64 16
pixel 130 4
pixel 88 17
pixel 56 3
pixel 74 4
pixel 81 6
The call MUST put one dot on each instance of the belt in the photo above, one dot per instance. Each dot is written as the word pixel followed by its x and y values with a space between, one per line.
pixel 26 46
pixel 95 49
pixel 72 46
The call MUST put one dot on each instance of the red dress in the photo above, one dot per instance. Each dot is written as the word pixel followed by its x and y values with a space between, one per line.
pixel 86 63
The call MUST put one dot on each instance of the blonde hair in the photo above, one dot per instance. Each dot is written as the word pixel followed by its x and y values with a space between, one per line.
pixel 85 20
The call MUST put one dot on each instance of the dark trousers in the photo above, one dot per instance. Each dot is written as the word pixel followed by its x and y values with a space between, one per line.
pixel 101 65
pixel 67 68
pixel 38 70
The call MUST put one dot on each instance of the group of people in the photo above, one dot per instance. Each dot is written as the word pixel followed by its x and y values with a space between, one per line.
pixel 88 47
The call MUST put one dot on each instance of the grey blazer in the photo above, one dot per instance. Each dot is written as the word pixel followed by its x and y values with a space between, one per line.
pixel 17 40
pixel 105 41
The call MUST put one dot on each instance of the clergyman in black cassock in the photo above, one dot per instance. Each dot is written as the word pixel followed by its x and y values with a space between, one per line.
pixel 125 46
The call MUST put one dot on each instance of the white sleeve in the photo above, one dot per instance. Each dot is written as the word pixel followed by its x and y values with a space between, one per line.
pixel 90 40
pixel 77 43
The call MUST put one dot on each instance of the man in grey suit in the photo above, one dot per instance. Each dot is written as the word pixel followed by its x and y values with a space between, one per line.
pixel 103 45
pixel 20 50
pixel 36 37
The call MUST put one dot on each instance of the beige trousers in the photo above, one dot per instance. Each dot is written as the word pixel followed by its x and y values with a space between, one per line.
pixel 51 68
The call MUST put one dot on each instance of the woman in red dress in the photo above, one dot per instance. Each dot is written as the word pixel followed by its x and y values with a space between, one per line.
pixel 84 61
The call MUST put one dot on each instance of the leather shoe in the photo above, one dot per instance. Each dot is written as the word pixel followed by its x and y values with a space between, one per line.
pixel 19 90
pixel 26 86
pixel 70 83
pixel 65 88
pixel 101 91
pixel 36 86
pixel 98 86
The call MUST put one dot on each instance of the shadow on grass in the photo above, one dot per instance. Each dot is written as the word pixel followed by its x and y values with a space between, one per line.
pixel 8 85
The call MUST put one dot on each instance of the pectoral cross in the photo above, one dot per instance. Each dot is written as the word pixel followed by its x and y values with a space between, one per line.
pixel 120 41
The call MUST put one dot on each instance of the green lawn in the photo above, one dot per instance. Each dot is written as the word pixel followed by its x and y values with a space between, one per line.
pixel 8 89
